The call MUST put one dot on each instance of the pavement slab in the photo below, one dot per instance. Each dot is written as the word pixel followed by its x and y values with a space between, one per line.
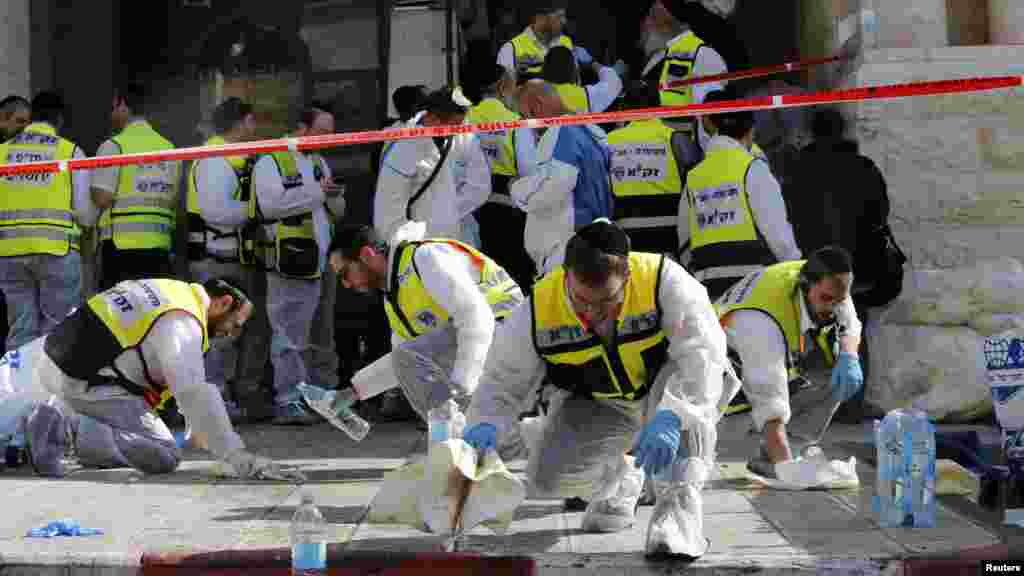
pixel 193 511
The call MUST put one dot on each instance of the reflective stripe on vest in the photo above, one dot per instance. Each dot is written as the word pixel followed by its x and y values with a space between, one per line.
pixel 578 360
pixel 36 209
pixel 529 55
pixel 645 180
pixel 575 97
pixel 498 147
pixel 144 210
pixel 679 62
pixel 412 311
pixel 723 232
pixel 130 308
pixel 775 291
pixel 199 233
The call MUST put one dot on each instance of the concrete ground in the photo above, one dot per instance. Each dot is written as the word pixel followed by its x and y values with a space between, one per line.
pixel 752 529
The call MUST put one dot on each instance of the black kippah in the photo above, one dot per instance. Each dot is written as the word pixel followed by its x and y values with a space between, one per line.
pixel 605 236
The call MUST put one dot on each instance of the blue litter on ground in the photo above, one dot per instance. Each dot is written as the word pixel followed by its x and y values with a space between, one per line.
pixel 62 528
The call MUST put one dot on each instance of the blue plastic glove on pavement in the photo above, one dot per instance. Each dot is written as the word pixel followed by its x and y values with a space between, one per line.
pixel 582 56
pixel 658 442
pixel 66 527
pixel 482 437
pixel 847 377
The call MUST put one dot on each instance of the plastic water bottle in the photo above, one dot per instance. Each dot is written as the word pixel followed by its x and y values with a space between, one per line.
pixel 905 487
pixel 308 539
pixel 336 407
pixel 444 423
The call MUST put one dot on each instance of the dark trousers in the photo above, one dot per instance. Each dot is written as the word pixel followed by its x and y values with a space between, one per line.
pixel 501 239
pixel 120 265
pixel 361 332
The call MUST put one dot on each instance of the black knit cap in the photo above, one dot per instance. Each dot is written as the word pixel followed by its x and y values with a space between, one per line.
pixel 542 7
pixel 605 236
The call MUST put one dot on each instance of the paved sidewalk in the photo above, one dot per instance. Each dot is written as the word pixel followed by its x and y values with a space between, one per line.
pixel 751 528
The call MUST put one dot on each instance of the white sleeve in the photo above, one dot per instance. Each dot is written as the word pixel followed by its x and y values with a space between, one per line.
pixel 603 94
pixel 276 201
pixel 697 345
pixel 394 187
pixel 762 349
pixel 445 273
pixel 215 186
pixel 708 62
pixel 174 349
pixel 84 209
pixel 475 187
pixel 526 151
pixel 507 58
pixel 107 178
pixel 769 209
pixel 846 318
pixel 510 373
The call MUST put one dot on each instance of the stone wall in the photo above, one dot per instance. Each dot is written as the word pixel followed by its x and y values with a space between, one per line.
pixel 15 36
pixel 954 164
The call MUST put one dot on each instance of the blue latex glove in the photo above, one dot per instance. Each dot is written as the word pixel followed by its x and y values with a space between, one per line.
pixel 482 437
pixel 658 443
pixel 847 377
pixel 66 527
pixel 582 56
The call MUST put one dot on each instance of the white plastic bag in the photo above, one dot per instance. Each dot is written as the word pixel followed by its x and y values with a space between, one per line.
pixel 20 388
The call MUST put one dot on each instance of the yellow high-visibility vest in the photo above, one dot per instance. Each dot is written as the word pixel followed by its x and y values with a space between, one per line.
pixel 529 55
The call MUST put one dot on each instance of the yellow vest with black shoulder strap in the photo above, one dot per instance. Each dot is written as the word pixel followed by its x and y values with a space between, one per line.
pixel 128 312
pixel 575 97
pixel 199 232
pixel 757 152
pixel 36 210
pixel 412 311
pixel 144 210
pixel 293 252
pixel 578 361
pixel 725 242
pixel 498 147
pixel 776 291
pixel 528 56
pixel 680 59
pixel 646 184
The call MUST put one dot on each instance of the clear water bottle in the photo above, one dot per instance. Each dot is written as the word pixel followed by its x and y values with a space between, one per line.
pixel 336 407
pixel 308 539
pixel 444 423
pixel 905 486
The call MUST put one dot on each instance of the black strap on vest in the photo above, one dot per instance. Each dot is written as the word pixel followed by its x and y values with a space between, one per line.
pixel 430 180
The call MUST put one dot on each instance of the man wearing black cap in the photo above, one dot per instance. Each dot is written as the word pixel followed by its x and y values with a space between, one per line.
pixel 439 181
pixel 523 56
pixel 732 219
pixel 635 353
pixel 676 52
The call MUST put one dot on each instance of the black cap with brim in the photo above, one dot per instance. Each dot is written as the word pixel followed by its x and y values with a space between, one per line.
pixel 443 103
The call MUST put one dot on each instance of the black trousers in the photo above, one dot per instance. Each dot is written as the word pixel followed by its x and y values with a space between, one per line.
pixel 501 239
pixel 120 265
pixel 361 332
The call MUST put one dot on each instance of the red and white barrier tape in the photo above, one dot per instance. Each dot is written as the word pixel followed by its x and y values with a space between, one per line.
pixel 864 94
pixel 755 72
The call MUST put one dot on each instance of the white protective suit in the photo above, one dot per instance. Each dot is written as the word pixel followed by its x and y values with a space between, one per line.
pixel 544 191
pixel 450 358
pixel 582 441
pixel 118 429
pixel 291 302
pixel 463 182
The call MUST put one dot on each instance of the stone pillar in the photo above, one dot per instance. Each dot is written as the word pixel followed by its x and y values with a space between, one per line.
pixel 1006 21
pixel 917 24
pixel 15 35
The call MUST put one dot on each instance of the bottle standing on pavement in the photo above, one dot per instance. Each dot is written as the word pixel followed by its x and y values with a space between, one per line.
pixel 308 539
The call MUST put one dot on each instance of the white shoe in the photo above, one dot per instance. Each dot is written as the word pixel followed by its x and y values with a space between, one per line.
pixel 677 524
pixel 618 512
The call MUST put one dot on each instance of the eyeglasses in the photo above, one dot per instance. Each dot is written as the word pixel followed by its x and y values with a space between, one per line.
pixel 601 306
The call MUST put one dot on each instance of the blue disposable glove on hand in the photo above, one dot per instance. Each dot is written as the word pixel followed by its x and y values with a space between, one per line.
pixel 482 437
pixel 658 443
pixel 582 56
pixel 847 377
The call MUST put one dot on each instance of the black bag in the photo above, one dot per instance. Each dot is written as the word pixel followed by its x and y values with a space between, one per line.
pixel 889 283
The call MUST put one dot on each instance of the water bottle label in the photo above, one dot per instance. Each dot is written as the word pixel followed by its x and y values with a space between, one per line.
pixel 309 556
pixel 439 432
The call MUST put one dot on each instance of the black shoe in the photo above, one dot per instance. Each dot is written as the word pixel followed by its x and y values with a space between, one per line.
pixel 575 504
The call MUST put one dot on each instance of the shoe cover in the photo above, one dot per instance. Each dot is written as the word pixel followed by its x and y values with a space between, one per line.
pixel 677 523
pixel 47 438
pixel 616 512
